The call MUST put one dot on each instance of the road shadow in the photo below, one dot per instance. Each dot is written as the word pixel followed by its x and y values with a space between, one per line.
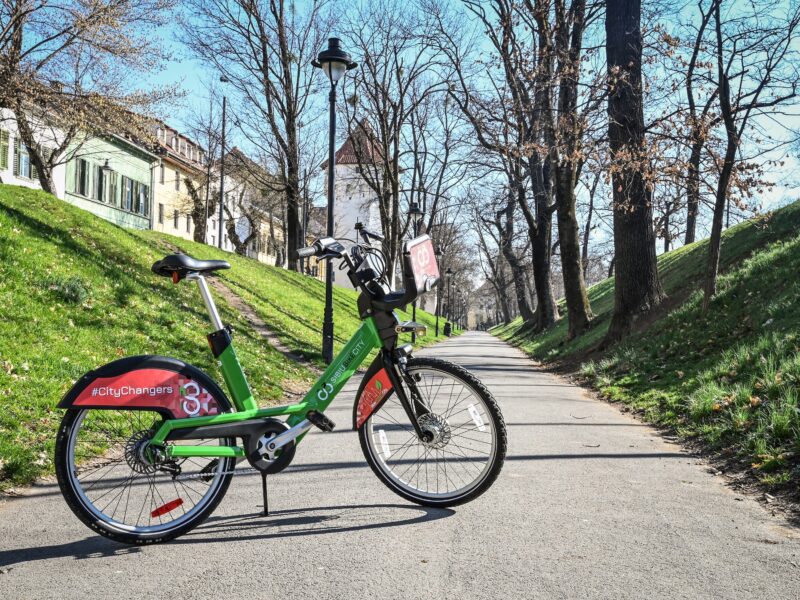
pixel 324 520
pixel 90 547
pixel 254 526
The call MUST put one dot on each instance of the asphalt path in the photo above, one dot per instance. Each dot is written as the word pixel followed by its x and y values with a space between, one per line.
pixel 590 504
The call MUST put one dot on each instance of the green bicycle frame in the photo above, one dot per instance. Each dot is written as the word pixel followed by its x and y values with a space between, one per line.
pixel 319 397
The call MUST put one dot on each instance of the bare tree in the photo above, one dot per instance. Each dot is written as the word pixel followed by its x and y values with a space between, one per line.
pixel 756 70
pixel 66 65
pixel 264 48
pixel 390 108
pixel 499 101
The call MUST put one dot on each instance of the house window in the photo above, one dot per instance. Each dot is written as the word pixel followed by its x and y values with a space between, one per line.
pixel 188 224
pixel 4 139
pixel 81 184
pixel 161 174
pixel 175 220
pixel 177 181
pixel 127 194
pixel 22 161
pixel 111 183
pixel 160 213
pixel 144 200
pixel 97 183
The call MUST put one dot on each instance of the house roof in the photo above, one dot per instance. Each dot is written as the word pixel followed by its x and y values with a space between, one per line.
pixel 360 139
pixel 182 154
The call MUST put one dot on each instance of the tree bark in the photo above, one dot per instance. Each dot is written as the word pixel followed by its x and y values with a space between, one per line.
pixel 564 152
pixel 637 289
pixel 540 226
pixel 712 267
pixel 693 191
pixel 588 227
pixel 514 263
pixel 198 210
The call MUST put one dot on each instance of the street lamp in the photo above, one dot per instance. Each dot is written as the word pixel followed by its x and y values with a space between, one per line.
pixel 415 213
pixel 334 62
pixel 449 274
pixel 438 253
pixel 222 79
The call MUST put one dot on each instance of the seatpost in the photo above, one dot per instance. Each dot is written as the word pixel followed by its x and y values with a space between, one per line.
pixel 208 299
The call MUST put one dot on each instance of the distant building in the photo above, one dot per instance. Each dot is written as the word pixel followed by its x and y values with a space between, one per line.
pixel 113 178
pixel 355 201
pixel 182 164
pixel 16 167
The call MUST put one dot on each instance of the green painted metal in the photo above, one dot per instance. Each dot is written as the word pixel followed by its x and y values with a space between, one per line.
pixel 236 381
pixel 218 451
pixel 365 340
pixel 234 417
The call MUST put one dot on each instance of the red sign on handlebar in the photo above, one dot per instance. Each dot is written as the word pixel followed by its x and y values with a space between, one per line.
pixel 423 263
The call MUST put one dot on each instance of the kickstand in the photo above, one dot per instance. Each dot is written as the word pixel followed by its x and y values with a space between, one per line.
pixel 264 492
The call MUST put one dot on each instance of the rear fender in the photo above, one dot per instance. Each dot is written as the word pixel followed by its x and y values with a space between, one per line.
pixel 167 385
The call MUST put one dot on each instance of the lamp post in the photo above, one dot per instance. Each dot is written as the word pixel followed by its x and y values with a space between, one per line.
pixel 415 213
pixel 222 79
pixel 449 273
pixel 438 254
pixel 334 62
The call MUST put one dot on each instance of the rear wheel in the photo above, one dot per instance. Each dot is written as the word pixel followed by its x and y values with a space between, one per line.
pixel 468 438
pixel 121 488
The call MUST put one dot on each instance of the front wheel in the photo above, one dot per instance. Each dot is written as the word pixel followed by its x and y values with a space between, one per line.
pixel 468 438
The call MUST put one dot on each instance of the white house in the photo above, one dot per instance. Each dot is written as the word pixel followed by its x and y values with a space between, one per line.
pixel 16 167
pixel 355 201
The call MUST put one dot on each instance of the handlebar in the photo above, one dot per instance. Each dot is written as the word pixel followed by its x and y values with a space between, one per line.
pixel 332 248
pixel 306 252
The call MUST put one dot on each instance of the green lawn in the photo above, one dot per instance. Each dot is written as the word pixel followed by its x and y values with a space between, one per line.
pixel 729 377
pixel 290 303
pixel 77 292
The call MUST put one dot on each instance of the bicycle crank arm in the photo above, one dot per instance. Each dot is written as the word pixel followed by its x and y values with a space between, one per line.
pixel 279 441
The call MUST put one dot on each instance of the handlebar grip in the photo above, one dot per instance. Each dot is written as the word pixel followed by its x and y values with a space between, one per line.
pixel 306 252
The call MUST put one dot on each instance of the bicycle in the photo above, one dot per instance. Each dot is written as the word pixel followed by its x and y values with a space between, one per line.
pixel 148 445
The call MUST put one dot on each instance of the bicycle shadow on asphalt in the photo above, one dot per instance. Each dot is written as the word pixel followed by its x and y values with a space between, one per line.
pixel 279 524
pixel 90 547
pixel 301 522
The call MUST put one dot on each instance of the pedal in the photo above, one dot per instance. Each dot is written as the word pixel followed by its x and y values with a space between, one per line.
pixel 320 421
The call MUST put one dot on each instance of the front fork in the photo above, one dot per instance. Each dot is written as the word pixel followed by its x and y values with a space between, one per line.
pixel 397 370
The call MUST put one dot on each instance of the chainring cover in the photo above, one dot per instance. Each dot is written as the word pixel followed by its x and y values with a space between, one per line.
pixel 269 462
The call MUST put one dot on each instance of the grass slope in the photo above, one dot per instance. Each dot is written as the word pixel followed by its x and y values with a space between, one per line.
pixel 289 303
pixel 77 292
pixel 729 377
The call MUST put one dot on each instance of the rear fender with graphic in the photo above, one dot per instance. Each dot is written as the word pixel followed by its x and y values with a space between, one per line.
pixel 169 386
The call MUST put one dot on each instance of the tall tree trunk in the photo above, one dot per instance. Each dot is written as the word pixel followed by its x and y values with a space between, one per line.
pixel 514 263
pixel 693 190
pixel 42 163
pixel 712 267
pixel 588 227
pixel 637 288
pixel 293 227
pixel 564 165
pixel 199 212
pixel 540 226
pixel 579 312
